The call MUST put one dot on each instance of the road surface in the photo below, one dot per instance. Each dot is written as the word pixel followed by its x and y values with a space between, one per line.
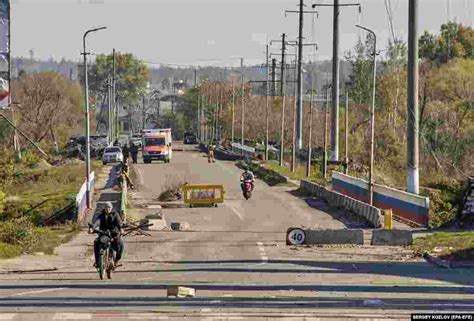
pixel 236 258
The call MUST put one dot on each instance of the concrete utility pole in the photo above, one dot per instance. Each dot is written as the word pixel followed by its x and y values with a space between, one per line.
pixel 372 118
pixel 295 119
pixel 335 76
pixel 308 161
pixel 86 97
pixel 233 115
pixel 325 147
pixel 282 91
pixel 300 111
pixel 114 97
pixel 267 85
pixel 412 100
pixel 109 110
pixel 299 84
pixel 243 109
pixel 273 77
pixel 346 136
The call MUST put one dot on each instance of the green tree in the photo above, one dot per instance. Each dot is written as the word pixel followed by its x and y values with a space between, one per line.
pixel 131 76
pixel 359 84
pixel 454 41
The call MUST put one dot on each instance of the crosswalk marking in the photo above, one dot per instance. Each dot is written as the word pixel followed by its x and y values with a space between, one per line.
pixel 72 316
pixel 7 316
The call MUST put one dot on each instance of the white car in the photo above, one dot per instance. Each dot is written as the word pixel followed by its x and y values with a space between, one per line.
pixel 112 155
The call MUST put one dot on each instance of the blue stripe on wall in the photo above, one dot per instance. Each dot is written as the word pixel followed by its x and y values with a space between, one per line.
pixel 401 208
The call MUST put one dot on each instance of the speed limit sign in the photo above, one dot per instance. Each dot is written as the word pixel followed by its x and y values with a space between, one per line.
pixel 295 236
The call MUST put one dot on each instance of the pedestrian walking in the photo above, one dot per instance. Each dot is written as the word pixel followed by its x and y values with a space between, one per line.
pixel 126 153
pixel 134 151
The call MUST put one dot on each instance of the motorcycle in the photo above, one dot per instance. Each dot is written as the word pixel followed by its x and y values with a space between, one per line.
pixel 106 257
pixel 247 190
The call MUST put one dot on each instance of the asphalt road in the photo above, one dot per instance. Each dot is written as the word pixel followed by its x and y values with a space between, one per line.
pixel 236 258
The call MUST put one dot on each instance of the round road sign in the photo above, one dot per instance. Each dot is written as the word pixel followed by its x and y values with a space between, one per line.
pixel 296 236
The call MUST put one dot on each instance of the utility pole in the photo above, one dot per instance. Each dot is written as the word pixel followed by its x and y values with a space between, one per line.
pixel 346 136
pixel 114 98
pixel 243 110
pixel 308 162
pixel 282 91
pixel 412 100
pixel 295 119
pixel 233 115
pixel 335 85
pixel 325 146
pixel 16 141
pixel 300 111
pixel 109 110
pixel 86 98
pixel 266 108
pixel 273 77
pixel 335 76
pixel 195 77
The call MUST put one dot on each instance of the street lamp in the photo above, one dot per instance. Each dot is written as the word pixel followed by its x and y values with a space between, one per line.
pixel 86 89
pixel 372 118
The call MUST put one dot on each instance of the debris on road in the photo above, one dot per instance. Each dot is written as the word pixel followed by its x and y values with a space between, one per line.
pixel 181 292
pixel 180 226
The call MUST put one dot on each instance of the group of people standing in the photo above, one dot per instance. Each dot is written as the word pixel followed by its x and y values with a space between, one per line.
pixel 129 151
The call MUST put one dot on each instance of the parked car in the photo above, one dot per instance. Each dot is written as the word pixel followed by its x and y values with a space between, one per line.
pixel 137 140
pixel 112 155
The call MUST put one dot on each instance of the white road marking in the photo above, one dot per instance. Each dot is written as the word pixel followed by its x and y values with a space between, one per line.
pixel 72 316
pixel 7 316
pixel 35 292
pixel 141 279
pixel 263 254
pixel 236 212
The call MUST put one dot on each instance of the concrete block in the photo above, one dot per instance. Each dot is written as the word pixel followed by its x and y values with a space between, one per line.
pixel 355 236
pixel 181 226
pixel 392 237
pixel 158 224
pixel 181 292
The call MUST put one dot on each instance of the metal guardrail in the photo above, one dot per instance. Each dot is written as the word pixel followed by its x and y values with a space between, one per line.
pixel 203 194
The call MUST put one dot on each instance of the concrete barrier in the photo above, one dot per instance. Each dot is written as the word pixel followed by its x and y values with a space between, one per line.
pixel 392 237
pixel 336 199
pixel 355 236
pixel 408 206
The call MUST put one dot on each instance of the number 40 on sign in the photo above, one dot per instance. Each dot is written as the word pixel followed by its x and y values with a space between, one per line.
pixel 295 236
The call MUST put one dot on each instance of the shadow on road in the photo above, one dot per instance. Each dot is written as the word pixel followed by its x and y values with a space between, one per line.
pixel 237 302
pixel 419 270
pixel 348 219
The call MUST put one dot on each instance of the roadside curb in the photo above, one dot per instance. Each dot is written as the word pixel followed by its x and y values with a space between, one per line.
pixel 392 237
pixel 445 263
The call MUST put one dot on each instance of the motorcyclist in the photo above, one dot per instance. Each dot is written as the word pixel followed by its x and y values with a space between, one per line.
pixel 109 220
pixel 247 176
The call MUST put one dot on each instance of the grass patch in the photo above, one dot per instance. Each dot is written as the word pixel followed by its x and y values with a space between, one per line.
pixel 451 246
pixel 8 251
pixel 299 173
pixel 39 192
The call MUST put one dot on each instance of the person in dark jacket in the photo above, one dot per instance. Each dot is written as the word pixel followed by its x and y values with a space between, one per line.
pixel 126 153
pixel 134 151
pixel 109 220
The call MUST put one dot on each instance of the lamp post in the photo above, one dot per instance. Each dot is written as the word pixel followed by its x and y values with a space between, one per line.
pixel 86 89
pixel 372 118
